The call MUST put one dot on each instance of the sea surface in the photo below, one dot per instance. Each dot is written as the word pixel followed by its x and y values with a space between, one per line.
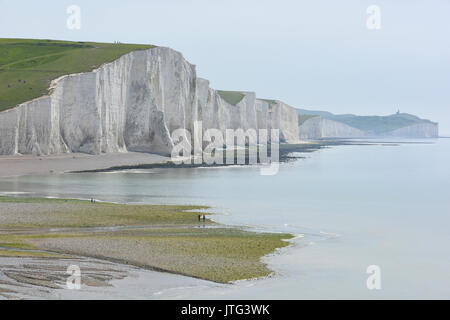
pixel 385 204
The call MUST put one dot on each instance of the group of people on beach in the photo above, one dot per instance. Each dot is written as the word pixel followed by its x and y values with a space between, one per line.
pixel 200 218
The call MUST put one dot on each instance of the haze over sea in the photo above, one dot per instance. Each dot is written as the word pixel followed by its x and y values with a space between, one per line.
pixel 381 204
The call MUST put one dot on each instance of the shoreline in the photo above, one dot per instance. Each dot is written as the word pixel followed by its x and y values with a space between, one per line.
pixel 26 165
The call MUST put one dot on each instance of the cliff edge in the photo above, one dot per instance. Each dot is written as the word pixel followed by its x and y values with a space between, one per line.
pixel 133 104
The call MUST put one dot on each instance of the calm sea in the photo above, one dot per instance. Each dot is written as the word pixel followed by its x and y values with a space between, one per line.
pixel 382 204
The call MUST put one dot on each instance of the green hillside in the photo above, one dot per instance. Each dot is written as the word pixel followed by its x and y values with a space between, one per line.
pixel 28 66
pixel 232 97
pixel 370 124
pixel 303 117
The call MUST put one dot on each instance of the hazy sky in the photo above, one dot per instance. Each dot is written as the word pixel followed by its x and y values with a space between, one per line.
pixel 311 54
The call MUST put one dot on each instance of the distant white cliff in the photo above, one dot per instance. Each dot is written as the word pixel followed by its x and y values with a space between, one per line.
pixel 133 104
pixel 318 128
pixel 419 130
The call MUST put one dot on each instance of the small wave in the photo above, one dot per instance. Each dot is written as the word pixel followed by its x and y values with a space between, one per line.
pixel 331 234
pixel 288 225
pixel 13 193
pixel 132 171
pixel 232 166
pixel 158 293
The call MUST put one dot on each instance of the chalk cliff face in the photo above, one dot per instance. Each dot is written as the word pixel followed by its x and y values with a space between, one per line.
pixel 420 130
pixel 249 113
pixel 133 104
pixel 318 127
pixel 275 114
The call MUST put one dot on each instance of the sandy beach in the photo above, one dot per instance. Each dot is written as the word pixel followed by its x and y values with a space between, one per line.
pixel 21 165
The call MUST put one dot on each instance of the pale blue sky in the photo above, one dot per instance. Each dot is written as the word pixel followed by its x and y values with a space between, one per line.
pixel 316 53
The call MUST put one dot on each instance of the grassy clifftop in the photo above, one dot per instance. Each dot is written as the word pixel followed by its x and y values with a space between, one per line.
pixel 380 124
pixel 232 97
pixel 27 66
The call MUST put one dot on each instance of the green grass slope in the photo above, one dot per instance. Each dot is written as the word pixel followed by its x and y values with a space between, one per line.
pixel 27 66
pixel 370 124
pixel 380 124
pixel 232 97
pixel 303 117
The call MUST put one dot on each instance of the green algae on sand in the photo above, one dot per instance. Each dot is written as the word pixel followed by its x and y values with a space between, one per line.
pixel 157 237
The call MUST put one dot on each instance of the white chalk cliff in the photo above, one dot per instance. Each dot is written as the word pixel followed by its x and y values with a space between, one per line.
pixel 419 130
pixel 133 104
pixel 318 128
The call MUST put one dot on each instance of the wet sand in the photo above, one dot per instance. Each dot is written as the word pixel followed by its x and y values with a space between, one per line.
pixel 45 278
pixel 163 247
pixel 21 165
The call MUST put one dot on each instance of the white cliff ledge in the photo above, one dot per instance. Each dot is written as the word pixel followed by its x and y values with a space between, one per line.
pixel 133 104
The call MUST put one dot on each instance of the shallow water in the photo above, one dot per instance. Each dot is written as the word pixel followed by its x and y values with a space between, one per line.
pixel 385 205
